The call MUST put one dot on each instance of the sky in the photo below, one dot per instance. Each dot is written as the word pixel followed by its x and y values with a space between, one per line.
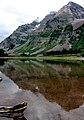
pixel 14 13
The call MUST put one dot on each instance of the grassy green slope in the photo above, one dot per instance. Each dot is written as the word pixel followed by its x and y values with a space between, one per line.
pixel 41 42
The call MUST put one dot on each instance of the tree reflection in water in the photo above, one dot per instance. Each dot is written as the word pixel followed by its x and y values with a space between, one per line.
pixel 2 61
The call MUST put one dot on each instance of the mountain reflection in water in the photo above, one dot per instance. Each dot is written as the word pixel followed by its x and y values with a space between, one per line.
pixel 60 82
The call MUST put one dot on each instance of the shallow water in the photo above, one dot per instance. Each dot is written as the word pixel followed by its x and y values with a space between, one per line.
pixel 61 84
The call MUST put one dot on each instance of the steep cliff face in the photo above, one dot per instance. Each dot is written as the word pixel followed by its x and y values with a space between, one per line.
pixel 56 32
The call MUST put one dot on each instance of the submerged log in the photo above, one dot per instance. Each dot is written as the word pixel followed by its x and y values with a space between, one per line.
pixel 13 111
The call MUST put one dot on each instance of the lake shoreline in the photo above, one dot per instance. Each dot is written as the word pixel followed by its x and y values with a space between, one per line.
pixel 66 59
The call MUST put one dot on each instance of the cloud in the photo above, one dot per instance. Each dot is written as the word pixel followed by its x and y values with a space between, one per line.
pixel 17 12
pixel 10 19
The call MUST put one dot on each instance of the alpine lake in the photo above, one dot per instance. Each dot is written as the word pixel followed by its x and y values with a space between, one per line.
pixel 53 90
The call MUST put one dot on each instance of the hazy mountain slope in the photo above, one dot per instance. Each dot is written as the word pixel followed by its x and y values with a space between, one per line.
pixel 21 34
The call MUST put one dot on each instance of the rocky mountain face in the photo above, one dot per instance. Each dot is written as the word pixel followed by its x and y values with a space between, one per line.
pixel 72 10
pixel 56 32
pixel 67 13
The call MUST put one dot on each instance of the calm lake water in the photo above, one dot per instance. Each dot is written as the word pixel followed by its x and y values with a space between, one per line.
pixel 60 83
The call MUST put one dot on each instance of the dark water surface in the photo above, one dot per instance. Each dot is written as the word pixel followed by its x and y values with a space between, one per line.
pixel 60 89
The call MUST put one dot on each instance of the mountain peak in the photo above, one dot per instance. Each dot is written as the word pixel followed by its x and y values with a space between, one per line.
pixel 72 11
pixel 73 4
